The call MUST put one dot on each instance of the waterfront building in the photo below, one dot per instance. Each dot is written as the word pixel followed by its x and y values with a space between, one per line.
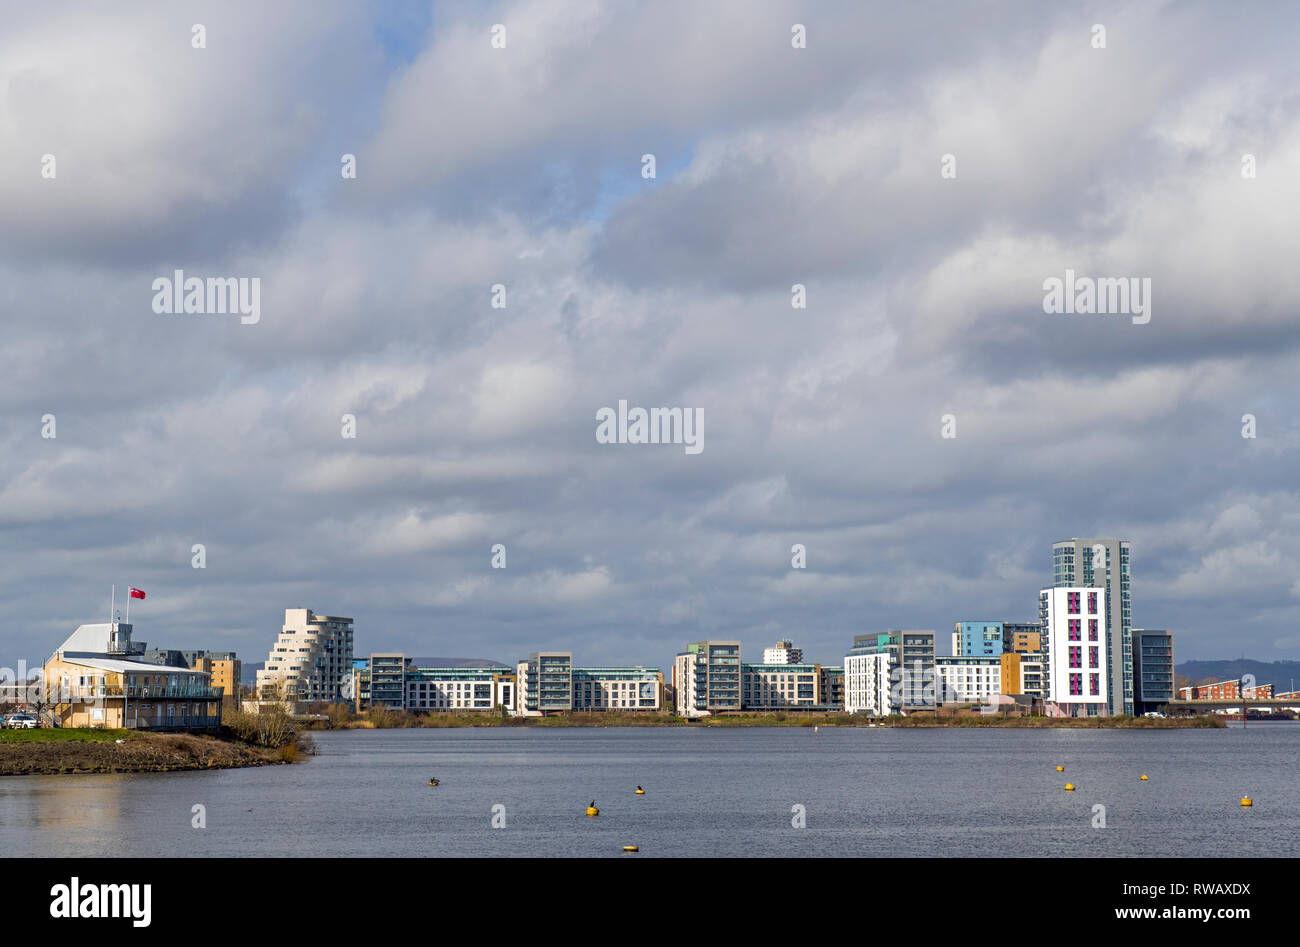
pixel 618 688
pixel 831 686
pixel 1022 674
pixel 545 683
pixel 1074 650
pixel 423 685
pixel 766 687
pixel 783 652
pixel 1153 669
pixel 1225 690
pixel 1074 566
pixel 982 638
pixel 310 661
pixel 969 678
pixel 96 678
pixel 868 676
pixel 901 662
pixel 706 678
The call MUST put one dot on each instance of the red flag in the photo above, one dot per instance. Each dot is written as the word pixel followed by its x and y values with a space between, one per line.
pixel 136 593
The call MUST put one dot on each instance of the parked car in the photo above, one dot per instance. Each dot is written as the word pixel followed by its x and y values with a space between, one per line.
pixel 1154 713
pixel 22 721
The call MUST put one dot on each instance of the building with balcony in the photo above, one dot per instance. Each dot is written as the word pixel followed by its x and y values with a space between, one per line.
pixel 706 678
pixel 1074 650
pixel 1153 669
pixel 869 671
pixel 968 679
pixel 311 660
pixel 1104 564
pixel 768 687
pixel 1022 674
pixel 618 688
pixel 545 683
pixel 96 678
pixel 224 666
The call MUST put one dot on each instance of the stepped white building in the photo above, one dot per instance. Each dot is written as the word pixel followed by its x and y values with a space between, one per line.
pixel 311 660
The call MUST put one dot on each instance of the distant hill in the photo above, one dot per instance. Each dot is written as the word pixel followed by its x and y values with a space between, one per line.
pixel 248 670
pixel 1278 673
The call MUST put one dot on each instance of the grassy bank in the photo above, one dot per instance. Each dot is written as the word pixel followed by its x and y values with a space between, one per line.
pixel 1118 722
pixel 340 717
pixel 243 740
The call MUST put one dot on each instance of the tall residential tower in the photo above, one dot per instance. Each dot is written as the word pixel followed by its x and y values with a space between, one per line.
pixel 1104 564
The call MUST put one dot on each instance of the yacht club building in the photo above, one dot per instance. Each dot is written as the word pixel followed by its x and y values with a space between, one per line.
pixel 96 678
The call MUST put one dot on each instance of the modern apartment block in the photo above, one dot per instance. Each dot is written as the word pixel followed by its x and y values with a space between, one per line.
pixel 1022 674
pixel 545 683
pixel 706 678
pixel 783 652
pixel 831 686
pixel 96 679
pixel 868 677
pixel 779 686
pixel 1153 669
pixel 1104 564
pixel 618 688
pixel 310 661
pixel 977 638
pixel 1022 637
pixel 1075 650
pixel 968 678
pixel 890 673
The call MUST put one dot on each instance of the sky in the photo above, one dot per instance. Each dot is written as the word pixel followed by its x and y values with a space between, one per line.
pixel 522 166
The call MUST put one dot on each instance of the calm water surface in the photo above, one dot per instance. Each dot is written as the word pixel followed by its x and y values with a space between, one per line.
pixel 874 792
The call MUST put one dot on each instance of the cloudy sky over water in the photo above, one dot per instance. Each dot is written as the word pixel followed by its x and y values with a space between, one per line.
pixel 523 166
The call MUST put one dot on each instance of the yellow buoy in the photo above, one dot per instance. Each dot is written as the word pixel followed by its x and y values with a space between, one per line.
pixel 640 791
pixel 1247 801
pixel 1060 769
pixel 1143 777
pixel 630 848
pixel 592 812
pixel 1069 787
pixel 433 782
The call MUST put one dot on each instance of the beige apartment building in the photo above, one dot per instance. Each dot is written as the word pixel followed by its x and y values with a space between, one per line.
pixel 96 679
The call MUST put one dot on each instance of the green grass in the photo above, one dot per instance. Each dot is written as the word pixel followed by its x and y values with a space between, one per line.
pixel 63 735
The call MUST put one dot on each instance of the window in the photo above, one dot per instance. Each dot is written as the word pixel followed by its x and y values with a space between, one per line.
pixel 1092 603
pixel 1074 629
pixel 1076 657
pixel 1076 685
pixel 1072 602
pixel 1092 629
pixel 1094 657
pixel 1095 685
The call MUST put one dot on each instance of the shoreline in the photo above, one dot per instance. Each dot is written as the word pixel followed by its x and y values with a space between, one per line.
pixel 69 752
pixel 404 720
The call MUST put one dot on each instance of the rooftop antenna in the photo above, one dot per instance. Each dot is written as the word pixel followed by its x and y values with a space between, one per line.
pixel 112 604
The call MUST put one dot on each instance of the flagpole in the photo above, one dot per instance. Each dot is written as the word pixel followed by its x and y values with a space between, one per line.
pixel 112 605
pixel 128 607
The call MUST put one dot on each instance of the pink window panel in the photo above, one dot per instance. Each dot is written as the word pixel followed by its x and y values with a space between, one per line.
pixel 1092 603
pixel 1095 685
pixel 1072 602
pixel 1094 657
pixel 1092 629
pixel 1076 685
pixel 1074 629
pixel 1076 658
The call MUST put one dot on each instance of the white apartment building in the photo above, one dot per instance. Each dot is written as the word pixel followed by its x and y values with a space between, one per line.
pixel 968 679
pixel 783 652
pixel 867 683
pixel 311 660
pixel 1074 649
